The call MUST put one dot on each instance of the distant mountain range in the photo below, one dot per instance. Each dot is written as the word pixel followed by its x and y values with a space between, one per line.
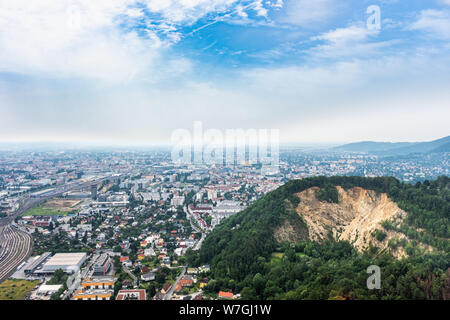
pixel 399 148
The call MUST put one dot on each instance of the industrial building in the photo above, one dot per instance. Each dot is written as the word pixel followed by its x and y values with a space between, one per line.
pixel 102 265
pixel 48 290
pixel 32 266
pixel 68 262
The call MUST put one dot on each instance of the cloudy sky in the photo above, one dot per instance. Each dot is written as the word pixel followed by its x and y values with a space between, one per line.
pixel 133 71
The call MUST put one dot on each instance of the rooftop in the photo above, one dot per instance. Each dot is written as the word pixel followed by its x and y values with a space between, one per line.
pixel 137 294
pixel 63 259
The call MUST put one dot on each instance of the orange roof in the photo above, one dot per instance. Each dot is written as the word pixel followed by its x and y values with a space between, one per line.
pixel 123 259
pixel 183 283
pixel 223 294
pixel 98 283
pixel 80 296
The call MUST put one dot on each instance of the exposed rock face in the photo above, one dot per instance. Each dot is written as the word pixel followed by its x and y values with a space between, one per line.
pixel 288 232
pixel 357 215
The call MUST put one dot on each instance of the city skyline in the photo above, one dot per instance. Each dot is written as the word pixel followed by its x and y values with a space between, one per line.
pixel 132 72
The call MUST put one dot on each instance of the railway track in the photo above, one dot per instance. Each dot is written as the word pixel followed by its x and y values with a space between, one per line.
pixel 16 246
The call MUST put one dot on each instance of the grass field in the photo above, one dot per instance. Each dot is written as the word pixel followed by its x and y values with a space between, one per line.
pixel 278 255
pixel 53 207
pixel 13 289
pixel 44 211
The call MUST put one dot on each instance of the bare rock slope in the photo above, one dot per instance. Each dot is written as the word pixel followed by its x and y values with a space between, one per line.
pixel 354 218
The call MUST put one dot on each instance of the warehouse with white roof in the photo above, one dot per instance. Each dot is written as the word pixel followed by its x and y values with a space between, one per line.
pixel 68 262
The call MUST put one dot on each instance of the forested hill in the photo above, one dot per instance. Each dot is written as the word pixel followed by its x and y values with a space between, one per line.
pixel 247 256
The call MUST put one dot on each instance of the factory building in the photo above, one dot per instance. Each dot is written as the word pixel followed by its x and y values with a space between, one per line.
pixel 68 262
pixel 36 263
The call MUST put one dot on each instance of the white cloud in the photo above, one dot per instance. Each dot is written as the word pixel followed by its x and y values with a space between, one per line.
pixel 354 33
pixel 187 11
pixel 434 22
pixel 353 41
pixel 341 101
pixel 356 97
pixel 351 100
pixel 307 13
pixel 98 39
pixel 259 8
pixel 73 39
pixel 241 12
pixel 182 13
pixel 276 4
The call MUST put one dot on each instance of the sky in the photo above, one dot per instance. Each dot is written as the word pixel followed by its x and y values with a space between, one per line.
pixel 134 71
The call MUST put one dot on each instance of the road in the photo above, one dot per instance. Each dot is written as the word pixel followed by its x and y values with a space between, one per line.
pixel 125 268
pixel 168 295
pixel 16 246
pixel 198 245
pixel 190 216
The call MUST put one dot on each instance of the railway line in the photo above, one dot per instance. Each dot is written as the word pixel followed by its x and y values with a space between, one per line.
pixel 16 246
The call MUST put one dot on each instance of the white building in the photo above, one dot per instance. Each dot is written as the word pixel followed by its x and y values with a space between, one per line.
pixel 177 201
pixel 226 209
pixel 68 262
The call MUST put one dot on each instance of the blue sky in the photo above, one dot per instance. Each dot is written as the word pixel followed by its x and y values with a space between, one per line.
pixel 131 71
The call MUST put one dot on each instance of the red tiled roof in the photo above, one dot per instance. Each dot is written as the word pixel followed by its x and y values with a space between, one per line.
pixel 183 283
pixel 223 294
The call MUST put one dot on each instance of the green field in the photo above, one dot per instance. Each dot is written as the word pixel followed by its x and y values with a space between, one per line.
pixel 45 211
pixel 278 255
pixel 53 207
pixel 42 211
pixel 16 289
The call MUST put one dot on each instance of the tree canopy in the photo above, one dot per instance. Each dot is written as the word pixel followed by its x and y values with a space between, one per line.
pixel 245 257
